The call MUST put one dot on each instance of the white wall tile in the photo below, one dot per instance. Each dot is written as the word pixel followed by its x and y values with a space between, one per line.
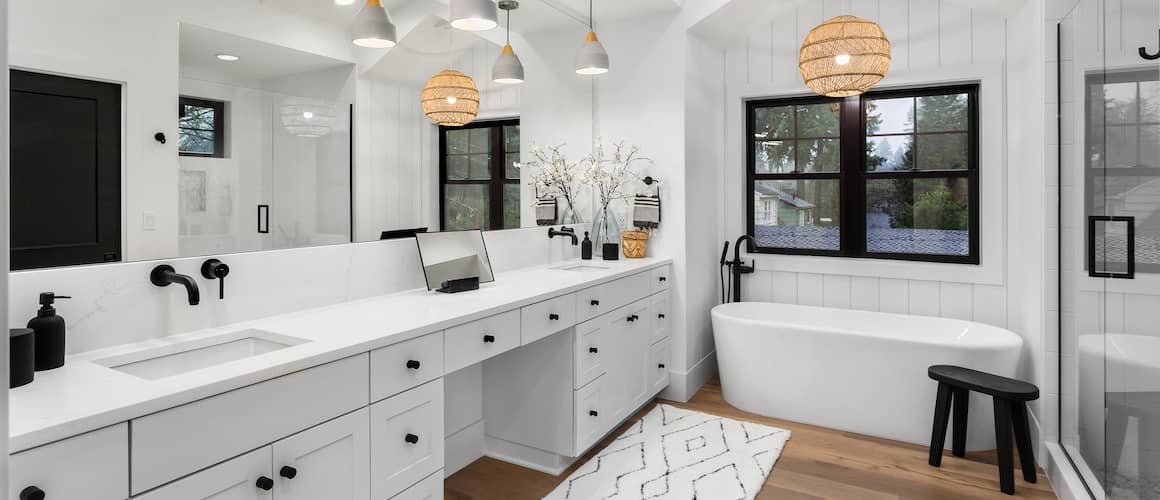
pixel 864 293
pixel 836 291
pixel 894 296
pixel 990 305
pixel 956 300
pixel 924 298
pixel 784 287
pixel 758 287
pixel 810 289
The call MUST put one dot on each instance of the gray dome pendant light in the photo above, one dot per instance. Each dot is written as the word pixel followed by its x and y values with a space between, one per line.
pixel 592 58
pixel 508 69
pixel 474 15
pixel 373 28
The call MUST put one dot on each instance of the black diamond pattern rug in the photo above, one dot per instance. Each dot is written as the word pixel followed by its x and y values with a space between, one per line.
pixel 675 454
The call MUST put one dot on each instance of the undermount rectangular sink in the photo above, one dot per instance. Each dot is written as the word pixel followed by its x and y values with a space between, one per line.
pixel 580 267
pixel 186 356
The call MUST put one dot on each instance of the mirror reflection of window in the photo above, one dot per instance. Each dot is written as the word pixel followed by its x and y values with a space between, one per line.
pixel 201 127
pixel 480 175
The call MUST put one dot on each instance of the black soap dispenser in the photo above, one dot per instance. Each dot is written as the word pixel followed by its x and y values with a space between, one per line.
pixel 586 248
pixel 49 334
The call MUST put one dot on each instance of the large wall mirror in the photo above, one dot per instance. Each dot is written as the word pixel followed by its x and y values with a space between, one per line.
pixel 244 125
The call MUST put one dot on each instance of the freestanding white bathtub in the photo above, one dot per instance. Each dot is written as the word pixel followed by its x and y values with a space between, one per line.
pixel 856 371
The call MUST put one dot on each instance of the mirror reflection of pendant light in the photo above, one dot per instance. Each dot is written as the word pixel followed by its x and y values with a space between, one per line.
pixel 508 68
pixel 308 118
pixel 592 58
pixel 373 27
pixel 474 15
pixel 844 56
pixel 451 99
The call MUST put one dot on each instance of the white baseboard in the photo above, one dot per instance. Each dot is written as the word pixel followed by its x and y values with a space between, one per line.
pixel 683 385
pixel 462 448
pixel 526 456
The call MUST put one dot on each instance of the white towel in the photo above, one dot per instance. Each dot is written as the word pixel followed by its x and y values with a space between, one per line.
pixel 646 212
pixel 546 211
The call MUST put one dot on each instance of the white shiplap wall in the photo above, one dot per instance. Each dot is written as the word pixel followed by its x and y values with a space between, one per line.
pixel 926 36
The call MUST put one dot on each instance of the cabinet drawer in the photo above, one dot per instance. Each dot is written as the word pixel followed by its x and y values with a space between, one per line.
pixel 661 278
pixel 93 466
pixel 406 439
pixel 591 418
pixel 660 317
pixel 399 367
pixel 235 480
pixel 589 352
pixel 430 488
pixel 468 344
pixel 601 299
pixel 214 429
pixel 545 318
pixel 658 366
pixel 327 461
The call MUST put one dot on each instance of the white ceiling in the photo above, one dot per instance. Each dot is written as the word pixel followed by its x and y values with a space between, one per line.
pixel 259 60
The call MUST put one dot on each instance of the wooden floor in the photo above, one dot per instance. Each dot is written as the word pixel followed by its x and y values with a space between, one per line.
pixel 817 463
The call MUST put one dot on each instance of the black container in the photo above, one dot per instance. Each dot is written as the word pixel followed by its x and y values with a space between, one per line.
pixel 586 248
pixel 21 356
pixel 49 333
pixel 611 251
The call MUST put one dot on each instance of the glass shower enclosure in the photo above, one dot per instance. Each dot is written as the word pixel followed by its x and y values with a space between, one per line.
pixel 1108 85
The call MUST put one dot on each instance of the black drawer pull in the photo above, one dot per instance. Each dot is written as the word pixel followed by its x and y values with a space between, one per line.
pixel 660 316
pixel 595 303
pixel 411 439
pixel 663 279
pixel 265 483
pixel 633 317
pixel 32 493
pixel 593 350
pixel 554 317
pixel 489 339
pixel 288 472
pixel 593 413
pixel 412 364
pixel 661 366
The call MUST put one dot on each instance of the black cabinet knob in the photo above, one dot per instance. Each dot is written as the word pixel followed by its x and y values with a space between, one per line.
pixel 554 317
pixel 411 439
pixel 265 483
pixel 595 303
pixel 593 413
pixel 663 279
pixel 633 318
pixel 32 493
pixel 593 350
pixel 288 472
pixel 661 366
pixel 412 364
pixel 660 316
pixel 489 339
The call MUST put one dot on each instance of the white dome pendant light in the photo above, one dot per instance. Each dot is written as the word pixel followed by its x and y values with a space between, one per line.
pixel 373 27
pixel 474 15
pixel 592 58
pixel 508 68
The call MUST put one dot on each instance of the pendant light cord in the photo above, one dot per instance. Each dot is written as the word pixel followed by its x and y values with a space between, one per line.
pixel 591 22
pixel 509 27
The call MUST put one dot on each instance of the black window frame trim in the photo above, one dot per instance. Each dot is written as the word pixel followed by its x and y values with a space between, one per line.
pixel 219 125
pixel 853 176
pixel 498 179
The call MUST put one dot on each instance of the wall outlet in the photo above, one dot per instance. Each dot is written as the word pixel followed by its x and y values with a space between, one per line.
pixel 149 221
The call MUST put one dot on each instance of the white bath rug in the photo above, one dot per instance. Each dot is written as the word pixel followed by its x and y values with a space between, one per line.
pixel 675 454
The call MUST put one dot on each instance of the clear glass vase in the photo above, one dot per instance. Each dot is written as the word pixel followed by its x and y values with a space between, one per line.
pixel 568 214
pixel 605 230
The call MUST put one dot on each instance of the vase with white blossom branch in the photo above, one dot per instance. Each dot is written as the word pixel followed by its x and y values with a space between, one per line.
pixel 554 176
pixel 608 174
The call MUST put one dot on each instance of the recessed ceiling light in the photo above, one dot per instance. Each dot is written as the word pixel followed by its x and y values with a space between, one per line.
pixel 228 57
pixel 344 2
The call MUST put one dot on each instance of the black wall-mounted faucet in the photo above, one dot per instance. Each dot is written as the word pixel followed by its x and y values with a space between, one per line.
pixel 214 269
pixel 164 275
pixel 564 231
pixel 736 267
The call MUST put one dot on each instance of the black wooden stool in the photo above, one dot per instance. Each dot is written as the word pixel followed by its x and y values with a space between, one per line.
pixel 1010 397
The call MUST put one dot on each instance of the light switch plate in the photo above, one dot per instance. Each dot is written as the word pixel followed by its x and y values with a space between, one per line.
pixel 149 221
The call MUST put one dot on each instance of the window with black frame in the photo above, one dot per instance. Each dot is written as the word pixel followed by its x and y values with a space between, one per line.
pixel 889 175
pixel 480 175
pixel 201 127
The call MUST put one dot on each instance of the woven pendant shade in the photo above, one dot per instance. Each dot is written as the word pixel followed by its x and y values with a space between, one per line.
pixel 844 56
pixel 451 99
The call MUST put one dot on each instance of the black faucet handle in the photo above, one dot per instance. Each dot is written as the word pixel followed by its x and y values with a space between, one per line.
pixel 214 269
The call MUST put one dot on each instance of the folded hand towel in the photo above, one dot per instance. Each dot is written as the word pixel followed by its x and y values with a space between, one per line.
pixel 546 211
pixel 646 212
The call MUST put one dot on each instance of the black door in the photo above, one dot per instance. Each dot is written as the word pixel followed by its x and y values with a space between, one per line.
pixel 66 171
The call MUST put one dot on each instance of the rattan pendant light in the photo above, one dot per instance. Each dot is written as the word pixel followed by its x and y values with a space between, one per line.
pixel 451 99
pixel 844 56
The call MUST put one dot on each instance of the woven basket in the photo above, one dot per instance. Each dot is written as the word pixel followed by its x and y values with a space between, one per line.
pixel 634 243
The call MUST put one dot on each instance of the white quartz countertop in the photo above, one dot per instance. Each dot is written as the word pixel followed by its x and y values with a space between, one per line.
pixel 83 396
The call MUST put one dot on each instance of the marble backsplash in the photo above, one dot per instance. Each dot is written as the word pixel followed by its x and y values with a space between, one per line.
pixel 116 304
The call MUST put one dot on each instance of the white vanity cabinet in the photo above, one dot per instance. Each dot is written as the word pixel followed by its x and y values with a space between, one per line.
pixel 406 439
pixel 92 466
pixel 236 479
